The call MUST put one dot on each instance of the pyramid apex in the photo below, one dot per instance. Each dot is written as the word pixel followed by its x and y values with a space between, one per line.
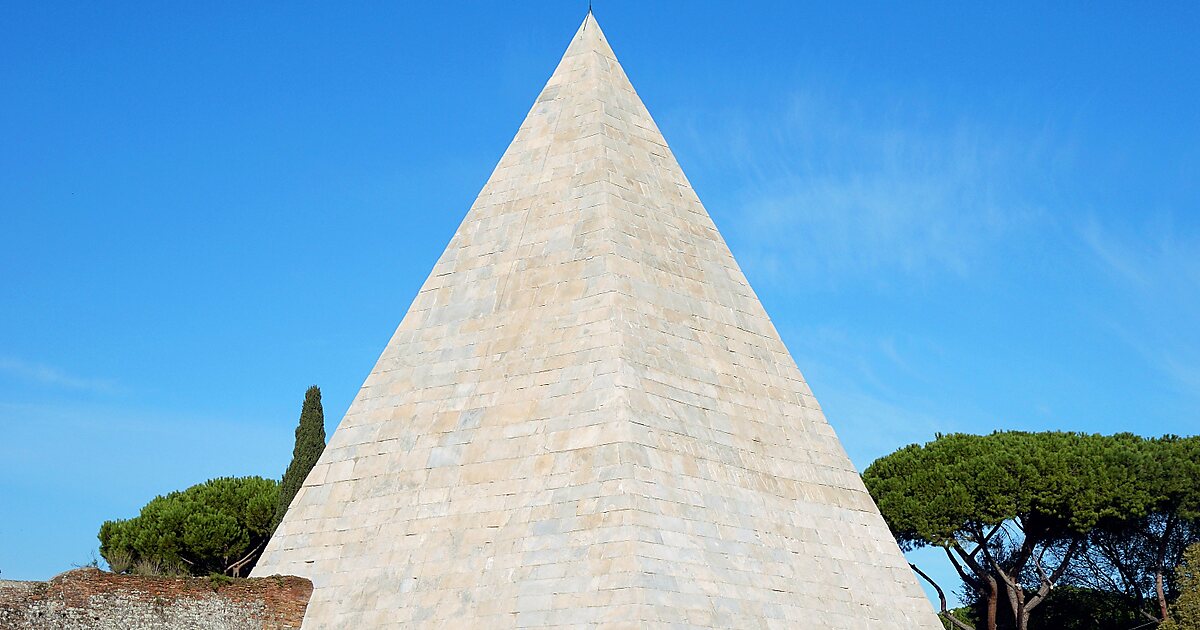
pixel 589 37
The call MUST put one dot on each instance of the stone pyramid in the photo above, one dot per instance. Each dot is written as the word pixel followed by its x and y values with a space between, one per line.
pixel 586 419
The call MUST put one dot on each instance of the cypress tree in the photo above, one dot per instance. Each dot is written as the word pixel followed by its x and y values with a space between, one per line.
pixel 310 442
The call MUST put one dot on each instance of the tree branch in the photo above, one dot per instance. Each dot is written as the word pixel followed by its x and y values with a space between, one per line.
pixel 1048 582
pixel 1072 549
pixel 236 567
pixel 957 567
pixel 968 558
pixel 995 566
pixel 945 612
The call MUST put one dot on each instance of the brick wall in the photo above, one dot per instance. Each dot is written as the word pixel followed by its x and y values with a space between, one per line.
pixel 90 599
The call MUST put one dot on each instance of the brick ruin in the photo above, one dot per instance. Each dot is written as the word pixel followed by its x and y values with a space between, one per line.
pixel 91 599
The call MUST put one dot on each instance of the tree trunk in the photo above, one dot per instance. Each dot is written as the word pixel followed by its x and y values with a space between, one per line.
pixel 1162 596
pixel 1168 531
pixel 1020 613
pixel 993 602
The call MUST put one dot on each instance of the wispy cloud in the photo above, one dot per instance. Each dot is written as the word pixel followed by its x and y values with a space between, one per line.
pixel 1154 270
pixel 827 190
pixel 865 384
pixel 1158 254
pixel 1113 256
pixel 54 377
pixel 871 426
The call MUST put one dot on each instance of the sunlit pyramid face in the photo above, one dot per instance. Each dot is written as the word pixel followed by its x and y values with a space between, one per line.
pixel 586 419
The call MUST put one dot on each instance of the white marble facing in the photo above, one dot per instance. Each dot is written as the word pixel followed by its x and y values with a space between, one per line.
pixel 587 420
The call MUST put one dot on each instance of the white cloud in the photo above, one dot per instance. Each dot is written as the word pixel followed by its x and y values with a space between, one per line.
pixel 826 190
pixel 54 377
pixel 1154 271
pixel 865 385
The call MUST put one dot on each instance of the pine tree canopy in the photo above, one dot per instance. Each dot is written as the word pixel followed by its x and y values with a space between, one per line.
pixel 219 526
pixel 1018 514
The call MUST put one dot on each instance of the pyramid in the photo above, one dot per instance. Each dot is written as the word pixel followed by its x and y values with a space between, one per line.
pixel 586 418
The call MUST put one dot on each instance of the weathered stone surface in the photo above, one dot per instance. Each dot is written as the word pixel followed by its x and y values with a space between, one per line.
pixel 586 419
pixel 90 599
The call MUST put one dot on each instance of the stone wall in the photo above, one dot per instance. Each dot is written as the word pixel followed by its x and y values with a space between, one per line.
pixel 90 599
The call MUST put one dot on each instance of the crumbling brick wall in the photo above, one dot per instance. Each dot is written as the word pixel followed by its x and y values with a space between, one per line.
pixel 90 599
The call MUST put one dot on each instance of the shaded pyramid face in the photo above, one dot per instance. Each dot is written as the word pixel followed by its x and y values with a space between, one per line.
pixel 586 418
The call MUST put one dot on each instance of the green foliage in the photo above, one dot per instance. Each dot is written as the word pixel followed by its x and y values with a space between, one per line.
pixel 217 580
pixel 1059 484
pixel 1134 556
pixel 1071 608
pixel 310 443
pixel 219 526
pixel 1173 469
pixel 120 561
pixel 1031 511
pixel 1185 614
pixel 965 614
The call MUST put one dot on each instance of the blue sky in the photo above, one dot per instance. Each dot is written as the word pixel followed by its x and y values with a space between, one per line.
pixel 961 218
